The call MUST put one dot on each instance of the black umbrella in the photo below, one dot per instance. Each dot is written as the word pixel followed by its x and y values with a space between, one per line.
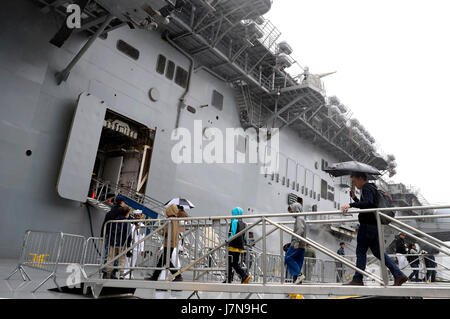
pixel 347 168
pixel 180 202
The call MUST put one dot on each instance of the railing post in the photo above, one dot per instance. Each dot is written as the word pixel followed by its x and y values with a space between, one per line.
pixel 282 279
pixel 168 248
pixel 196 246
pixel 264 251
pixel 227 261
pixel 383 267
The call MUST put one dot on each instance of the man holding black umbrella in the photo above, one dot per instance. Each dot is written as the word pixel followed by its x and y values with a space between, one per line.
pixel 368 232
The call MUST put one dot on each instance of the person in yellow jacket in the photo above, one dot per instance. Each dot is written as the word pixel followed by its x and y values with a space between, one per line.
pixel 236 248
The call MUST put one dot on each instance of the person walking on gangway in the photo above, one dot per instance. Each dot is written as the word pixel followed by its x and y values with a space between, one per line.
pixel 105 232
pixel 171 212
pixel 413 259
pixel 340 266
pixel 430 264
pixel 368 232
pixel 119 241
pixel 236 248
pixel 295 255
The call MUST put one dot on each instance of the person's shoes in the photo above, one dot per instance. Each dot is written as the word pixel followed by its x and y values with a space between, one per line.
pixel 299 279
pixel 150 279
pixel 400 280
pixel 354 283
pixel 246 280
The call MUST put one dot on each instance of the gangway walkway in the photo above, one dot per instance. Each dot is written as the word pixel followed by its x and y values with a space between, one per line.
pixel 206 252
pixel 102 193
pixel 202 251
pixel 320 289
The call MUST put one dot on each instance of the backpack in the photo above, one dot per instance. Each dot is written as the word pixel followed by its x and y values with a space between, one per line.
pixel 384 200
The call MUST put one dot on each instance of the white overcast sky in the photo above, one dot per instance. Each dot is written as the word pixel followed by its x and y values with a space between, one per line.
pixel 393 63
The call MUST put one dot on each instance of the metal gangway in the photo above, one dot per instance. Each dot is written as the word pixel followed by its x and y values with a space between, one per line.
pixel 102 194
pixel 201 257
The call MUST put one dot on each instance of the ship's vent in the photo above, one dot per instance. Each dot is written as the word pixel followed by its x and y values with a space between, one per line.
pixel 217 100
pixel 127 49
pixel 170 72
pixel 181 77
pixel 161 64
pixel 324 189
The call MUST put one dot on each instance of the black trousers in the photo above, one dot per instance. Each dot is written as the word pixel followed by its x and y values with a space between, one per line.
pixel 415 272
pixel 432 274
pixel 233 263
pixel 162 262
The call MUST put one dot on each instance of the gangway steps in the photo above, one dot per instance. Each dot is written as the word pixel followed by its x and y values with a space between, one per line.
pixel 408 290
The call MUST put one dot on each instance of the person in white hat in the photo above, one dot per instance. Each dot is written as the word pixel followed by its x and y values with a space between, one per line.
pixel 137 233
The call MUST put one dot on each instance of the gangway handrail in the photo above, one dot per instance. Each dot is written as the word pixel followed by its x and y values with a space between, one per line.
pixel 109 262
pixel 440 242
pixel 326 251
pixel 332 212
pixel 140 198
pixel 271 272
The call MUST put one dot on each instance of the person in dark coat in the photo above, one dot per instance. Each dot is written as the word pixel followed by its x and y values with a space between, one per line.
pixel 400 246
pixel 119 240
pixel 414 262
pixel 430 262
pixel 236 248
pixel 368 232
pixel 113 213
pixel 340 266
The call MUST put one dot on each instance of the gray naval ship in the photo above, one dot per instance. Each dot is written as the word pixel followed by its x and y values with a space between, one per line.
pixel 95 105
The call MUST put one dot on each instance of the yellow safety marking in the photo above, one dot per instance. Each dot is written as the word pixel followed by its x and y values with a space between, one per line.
pixel 38 259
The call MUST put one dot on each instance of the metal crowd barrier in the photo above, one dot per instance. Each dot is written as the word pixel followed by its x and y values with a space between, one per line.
pixel 93 252
pixel 45 251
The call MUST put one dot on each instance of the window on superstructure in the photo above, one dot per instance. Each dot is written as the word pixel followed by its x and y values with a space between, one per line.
pixel 181 77
pixel 127 49
pixel 161 64
pixel 217 100
pixel 324 165
pixel 324 189
pixel 170 71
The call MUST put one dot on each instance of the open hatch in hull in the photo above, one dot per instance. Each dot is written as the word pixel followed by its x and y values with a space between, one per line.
pixel 104 146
